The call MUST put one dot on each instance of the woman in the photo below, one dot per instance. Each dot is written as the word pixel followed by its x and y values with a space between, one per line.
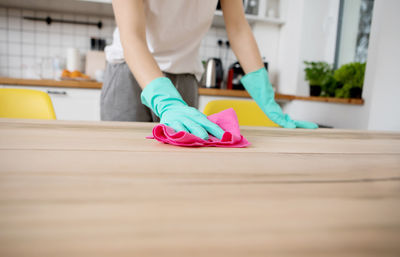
pixel 153 61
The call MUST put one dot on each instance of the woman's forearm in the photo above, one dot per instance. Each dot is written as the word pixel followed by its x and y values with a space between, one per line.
pixel 240 35
pixel 140 61
pixel 246 50
pixel 131 23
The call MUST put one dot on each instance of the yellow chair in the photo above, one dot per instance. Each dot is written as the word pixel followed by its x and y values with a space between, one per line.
pixel 248 112
pixel 25 104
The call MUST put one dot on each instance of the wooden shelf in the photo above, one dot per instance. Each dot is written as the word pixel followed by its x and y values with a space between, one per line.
pixel 223 92
pixel 202 91
pixel 355 101
pixel 244 94
pixel 50 83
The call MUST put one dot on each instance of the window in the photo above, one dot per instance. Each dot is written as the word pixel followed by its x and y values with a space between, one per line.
pixel 354 27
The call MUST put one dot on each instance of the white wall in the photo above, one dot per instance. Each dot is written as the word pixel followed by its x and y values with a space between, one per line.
pixel 289 46
pixel 381 93
pixel 267 37
pixel 382 83
pixel 308 34
pixel 27 47
pixel 336 115
pixel 318 34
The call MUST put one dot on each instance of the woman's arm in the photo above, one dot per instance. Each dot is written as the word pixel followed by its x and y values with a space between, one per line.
pixel 256 81
pixel 130 19
pixel 159 94
pixel 240 36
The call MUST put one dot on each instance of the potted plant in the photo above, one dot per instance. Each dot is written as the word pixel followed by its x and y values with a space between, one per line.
pixel 317 74
pixel 329 86
pixel 350 80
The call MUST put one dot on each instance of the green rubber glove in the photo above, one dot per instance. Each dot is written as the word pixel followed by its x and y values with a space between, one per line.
pixel 161 96
pixel 260 89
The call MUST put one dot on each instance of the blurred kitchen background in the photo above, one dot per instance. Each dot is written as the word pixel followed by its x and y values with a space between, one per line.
pixel 56 46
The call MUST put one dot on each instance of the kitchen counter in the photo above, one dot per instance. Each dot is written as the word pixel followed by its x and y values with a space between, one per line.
pixel 202 91
pixel 50 83
pixel 102 189
pixel 283 97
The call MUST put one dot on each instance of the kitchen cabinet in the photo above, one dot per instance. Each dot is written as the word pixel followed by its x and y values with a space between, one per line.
pixel 266 11
pixel 71 103
pixel 74 100
pixel 100 8
pixel 219 20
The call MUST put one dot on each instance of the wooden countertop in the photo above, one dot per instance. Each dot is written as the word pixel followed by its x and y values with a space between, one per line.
pixel 102 189
pixel 50 83
pixel 202 91
pixel 284 97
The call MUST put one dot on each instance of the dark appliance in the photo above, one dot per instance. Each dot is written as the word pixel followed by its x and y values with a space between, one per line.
pixel 235 73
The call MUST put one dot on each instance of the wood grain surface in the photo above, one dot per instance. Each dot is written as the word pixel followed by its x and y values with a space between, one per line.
pixel 102 189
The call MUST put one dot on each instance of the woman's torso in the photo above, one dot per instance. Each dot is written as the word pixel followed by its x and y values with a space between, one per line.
pixel 174 30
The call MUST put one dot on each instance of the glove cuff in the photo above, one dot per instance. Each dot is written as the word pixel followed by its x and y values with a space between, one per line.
pixel 262 72
pixel 159 94
pixel 258 85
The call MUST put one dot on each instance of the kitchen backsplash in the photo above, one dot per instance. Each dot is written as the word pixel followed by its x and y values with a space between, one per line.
pixel 29 48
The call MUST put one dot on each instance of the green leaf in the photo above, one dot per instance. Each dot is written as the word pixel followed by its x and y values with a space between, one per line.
pixel 317 73
pixel 350 75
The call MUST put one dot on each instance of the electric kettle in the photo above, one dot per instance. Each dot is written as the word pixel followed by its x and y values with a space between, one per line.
pixel 213 75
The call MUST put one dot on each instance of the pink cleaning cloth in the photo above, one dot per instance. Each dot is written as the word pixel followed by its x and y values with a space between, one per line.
pixel 226 119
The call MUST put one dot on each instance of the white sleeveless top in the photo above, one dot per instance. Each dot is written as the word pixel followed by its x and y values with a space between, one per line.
pixel 174 30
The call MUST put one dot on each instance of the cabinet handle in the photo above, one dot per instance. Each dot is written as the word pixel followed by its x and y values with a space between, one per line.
pixel 53 92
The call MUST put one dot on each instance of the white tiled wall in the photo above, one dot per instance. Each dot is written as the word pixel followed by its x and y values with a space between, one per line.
pixel 209 47
pixel 27 48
